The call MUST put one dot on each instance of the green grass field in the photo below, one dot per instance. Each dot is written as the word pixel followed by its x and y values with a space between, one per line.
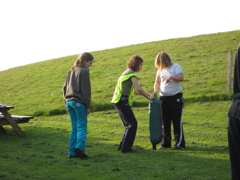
pixel 36 89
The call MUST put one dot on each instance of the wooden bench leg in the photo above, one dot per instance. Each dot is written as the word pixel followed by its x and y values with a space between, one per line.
pixel 13 123
pixel 2 129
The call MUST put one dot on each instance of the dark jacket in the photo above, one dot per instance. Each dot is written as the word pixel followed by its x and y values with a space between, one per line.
pixel 77 86
pixel 234 110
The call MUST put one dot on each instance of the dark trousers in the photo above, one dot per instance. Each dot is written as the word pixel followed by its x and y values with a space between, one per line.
pixel 172 107
pixel 130 123
pixel 234 147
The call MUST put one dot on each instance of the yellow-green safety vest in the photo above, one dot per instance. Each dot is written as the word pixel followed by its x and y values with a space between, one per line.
pixel 118 90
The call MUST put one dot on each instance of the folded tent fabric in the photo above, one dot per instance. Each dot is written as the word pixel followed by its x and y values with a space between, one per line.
pixel 155 122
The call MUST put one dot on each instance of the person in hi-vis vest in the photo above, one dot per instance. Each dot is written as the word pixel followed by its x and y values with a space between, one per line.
pixel 122 100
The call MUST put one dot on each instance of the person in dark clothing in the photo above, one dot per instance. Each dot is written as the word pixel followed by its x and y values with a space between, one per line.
pixel 234 122
pixel 122 100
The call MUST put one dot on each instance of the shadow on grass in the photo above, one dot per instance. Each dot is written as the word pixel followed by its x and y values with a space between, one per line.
pixel 42 154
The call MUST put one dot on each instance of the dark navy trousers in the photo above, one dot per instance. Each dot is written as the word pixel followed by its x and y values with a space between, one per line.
pixel 172 107
pixel 130 123
pixel 234 147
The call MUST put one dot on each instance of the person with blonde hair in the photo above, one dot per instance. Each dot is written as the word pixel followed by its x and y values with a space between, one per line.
pixel 122 100
pixel 77 97
pixel 168 78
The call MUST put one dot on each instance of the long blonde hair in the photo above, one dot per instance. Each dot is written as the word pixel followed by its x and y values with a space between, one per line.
pixel 82 58
pixel 163 60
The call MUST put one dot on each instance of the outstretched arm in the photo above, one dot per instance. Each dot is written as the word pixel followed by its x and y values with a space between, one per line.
pixel 157 85
pixel 139 90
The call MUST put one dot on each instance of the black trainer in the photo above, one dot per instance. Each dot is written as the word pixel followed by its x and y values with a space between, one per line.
pixel 80 153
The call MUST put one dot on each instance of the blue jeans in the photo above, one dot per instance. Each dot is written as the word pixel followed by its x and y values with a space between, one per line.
pixel 78 116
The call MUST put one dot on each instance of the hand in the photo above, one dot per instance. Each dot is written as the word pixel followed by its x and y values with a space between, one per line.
pixel 168 79
pixel 88 111
pixel 150 96
pixel 155 92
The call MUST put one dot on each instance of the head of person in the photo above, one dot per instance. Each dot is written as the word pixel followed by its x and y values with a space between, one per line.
pixel 135 63
pixel 163 61
pixel 84 60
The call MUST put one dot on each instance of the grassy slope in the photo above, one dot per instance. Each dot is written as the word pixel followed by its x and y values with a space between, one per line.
pixel 42 153
pixel 38 87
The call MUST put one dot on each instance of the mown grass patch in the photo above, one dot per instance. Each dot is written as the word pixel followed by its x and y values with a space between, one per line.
pixel 42 154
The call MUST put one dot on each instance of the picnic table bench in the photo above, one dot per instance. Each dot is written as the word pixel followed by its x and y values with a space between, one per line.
pixel 7 119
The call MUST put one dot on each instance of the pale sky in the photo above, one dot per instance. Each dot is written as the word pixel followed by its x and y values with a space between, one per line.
pixel 38 30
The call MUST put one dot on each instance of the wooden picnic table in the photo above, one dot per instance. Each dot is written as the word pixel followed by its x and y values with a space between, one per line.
pixel 7 119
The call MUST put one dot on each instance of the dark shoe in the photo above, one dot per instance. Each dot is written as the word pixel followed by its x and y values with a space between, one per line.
pixel 80 153
pixel 178 148
pixel 129 151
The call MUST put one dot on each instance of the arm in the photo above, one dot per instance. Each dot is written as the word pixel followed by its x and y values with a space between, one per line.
pixel 178 78
pixel 157 85
pixel 86 89
pixel 65 86
pixel 139 90
pixel 64 90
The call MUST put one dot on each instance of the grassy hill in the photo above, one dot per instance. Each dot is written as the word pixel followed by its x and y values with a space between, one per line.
pixel 36 89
